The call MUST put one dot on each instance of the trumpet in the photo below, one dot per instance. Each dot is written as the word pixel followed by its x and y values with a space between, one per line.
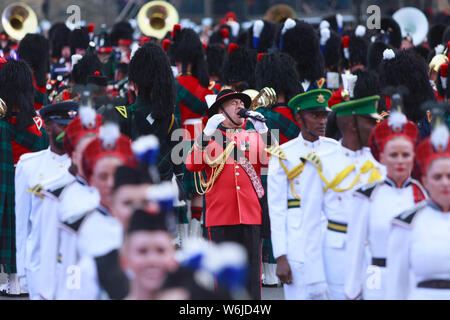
pixel 266 98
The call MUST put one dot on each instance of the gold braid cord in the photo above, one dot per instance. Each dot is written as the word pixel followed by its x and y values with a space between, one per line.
pixel 203 187
pixel 295 172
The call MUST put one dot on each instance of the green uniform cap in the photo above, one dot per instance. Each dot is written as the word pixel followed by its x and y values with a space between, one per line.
pixel 313 100
pixel 364 107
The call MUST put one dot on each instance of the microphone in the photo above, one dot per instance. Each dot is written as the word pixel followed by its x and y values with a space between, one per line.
pixel 245 114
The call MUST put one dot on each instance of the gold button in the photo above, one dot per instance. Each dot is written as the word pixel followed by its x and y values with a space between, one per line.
pixel 60 165
pixel 306 144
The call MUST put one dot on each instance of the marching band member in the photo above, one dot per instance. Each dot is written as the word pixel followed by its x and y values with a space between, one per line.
pixel 418 252
pixel 376 204
pixel 331 179
pixel 232 160
pixel 33 170
pixel 284 183
pixel 21 132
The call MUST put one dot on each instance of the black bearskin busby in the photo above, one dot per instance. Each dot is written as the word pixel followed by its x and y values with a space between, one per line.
pixel 375 54
pixel 17 91
pixel 435 35
pixel 34 49
pixel 121 30
pixel 78 39
pixel 277 71
pixel 389 33
pixel 215 56
pixel 409 70
pixel 85 67
pixel 187 48
pixel 59 37
pixel 366 85
pixel 422 51
pixel 333 21
pixel 358 50
pixel 264 41
pixel 239 69
pixel 222 35
pixel 150 70
pixel 302 43
pixel 332 52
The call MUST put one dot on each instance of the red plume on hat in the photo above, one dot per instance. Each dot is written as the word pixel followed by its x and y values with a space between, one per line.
pixel 444 73
pixel 260 55
pixel 230 16
pixel 91 28
pixel 232 47
pixel 175 30
pixel 166 44
pixel 396 125
pixel 225 34
pixel 345 44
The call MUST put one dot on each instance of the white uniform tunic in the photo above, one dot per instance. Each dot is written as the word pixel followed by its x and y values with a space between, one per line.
pixel 328 263
pixel 286 218
pixel 32 171
pixel 374 206
pixel 418 251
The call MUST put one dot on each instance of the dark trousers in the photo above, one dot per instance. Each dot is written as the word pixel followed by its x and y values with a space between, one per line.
pixel 249 236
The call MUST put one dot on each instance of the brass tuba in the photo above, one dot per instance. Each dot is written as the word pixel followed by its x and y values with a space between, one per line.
pixel 18 19
pixel 156 18
pixel 264 99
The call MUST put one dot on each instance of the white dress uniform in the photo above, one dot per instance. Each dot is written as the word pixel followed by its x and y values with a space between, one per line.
pixel 374 206
pixel 419 254
pixel 286 216
pixel 32 170
pixel 86 233
pixel 342 169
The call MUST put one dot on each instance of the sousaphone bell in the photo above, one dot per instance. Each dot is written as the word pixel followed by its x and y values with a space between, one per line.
pixel 18 19
pixel 156 18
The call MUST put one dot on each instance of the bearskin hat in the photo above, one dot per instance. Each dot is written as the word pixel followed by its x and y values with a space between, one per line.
pixel 407 69
pixel 336 22
pixel 358 50
pixel 240 66
pixel 85 67
pixel 367 84
pixel 59 37
pixel 78 39
pixel 277 71
pixel 16 89
pixel 435 35
pixel 389 33
pixel 302 43
pixel 34 49
pixel 215 56
pixel 187 48
pixel 121 30
pixel 422 51
pixel 222 35
pixel 375 54
pixel 261 35
pixel 150 70
pixel 332 52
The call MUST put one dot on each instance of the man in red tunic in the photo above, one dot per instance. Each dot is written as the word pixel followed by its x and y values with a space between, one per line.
pixel 232 158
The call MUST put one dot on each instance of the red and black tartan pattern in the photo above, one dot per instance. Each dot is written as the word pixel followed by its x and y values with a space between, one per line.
pixel 95 151
pixel 426 153
pixel 76 130
pixel 382 133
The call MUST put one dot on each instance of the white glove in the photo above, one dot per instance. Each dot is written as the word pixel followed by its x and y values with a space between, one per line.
pixel 317 291
pixel 258 125
pixel 213 123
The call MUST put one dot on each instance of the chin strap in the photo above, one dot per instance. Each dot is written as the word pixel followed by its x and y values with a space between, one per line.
pixel 357 131
pixel 229 118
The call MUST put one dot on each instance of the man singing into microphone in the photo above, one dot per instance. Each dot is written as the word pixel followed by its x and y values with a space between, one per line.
pixel 232 159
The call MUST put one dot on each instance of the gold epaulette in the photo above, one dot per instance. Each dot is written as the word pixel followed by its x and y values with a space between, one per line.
pixel 123 111
pixel 314 159
pixel 276 151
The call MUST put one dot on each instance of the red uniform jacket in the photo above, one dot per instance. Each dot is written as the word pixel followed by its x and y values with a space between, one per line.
pixel 232 199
